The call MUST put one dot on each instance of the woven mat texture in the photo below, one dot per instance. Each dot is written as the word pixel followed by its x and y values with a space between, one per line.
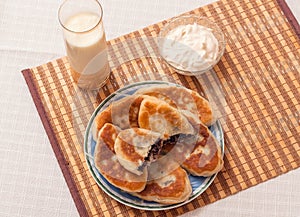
pixel 259 77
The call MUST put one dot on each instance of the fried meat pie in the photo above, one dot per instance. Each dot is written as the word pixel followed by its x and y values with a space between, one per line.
pixel 149 142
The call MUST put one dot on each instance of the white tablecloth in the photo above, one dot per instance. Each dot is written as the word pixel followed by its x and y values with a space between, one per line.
pixel 31 183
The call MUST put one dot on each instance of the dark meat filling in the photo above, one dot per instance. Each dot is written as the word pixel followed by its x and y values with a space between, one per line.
pixel 154 151
pixel 172 140
pixel 170 143
pixel 159 147
pixel 152 154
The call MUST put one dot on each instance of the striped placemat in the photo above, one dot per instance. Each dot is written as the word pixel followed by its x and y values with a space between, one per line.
pixel 259 104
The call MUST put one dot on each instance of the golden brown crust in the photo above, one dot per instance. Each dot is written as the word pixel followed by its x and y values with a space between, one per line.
pixel 158 116
pixel 200 155
pixel 161 96
pixel 108 135
pixel 129 151
pixel 102 118
pixel 204 109
pixel 185 100
pixel 134 111
pixel 206 158
pixel 132 146
pixel 173 188
pixel 107 163
pixel 122 113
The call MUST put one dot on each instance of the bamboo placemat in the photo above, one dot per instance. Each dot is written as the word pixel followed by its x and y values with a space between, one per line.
pixel 258 74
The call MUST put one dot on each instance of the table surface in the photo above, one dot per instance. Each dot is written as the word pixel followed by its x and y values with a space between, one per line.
pixel 31 183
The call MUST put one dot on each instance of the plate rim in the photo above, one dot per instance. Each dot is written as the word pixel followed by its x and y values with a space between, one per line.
pixel 208 180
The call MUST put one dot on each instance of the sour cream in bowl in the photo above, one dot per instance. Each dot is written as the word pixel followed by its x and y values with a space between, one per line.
pixel 191 44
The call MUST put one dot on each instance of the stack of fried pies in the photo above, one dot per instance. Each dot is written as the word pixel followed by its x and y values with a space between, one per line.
pixel 149 142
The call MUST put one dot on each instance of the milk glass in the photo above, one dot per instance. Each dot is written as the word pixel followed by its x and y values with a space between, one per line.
pixel 85 42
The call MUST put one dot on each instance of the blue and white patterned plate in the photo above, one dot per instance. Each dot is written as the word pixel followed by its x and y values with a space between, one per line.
pixel 199 184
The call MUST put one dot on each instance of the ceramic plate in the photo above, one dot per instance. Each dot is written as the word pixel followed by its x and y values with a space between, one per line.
pixel 199 184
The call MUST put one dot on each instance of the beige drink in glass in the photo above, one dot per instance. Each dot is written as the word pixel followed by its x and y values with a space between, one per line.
pixel 85 42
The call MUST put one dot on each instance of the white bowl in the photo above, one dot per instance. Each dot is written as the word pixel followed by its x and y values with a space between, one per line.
pixel 186 20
